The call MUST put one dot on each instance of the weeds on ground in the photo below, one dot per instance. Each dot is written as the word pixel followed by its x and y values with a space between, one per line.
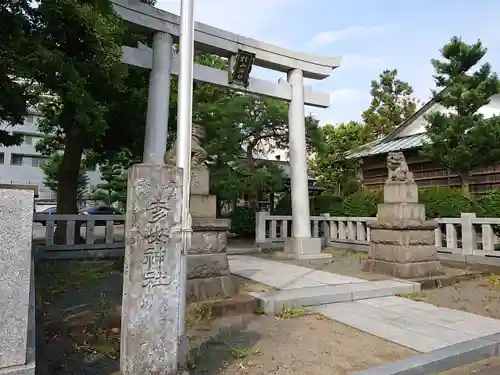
pixel 52 279
pixel 199 312
pixel 493 281
pixel 413 296
pixel 290 312
pixel 97 337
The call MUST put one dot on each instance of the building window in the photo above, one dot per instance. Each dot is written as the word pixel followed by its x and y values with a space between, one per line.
pixel 16 159
pixel 28 139
pixel 2 158
pixel 38 162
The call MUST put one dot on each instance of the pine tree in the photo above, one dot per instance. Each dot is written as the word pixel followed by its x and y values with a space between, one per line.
pixel 114 187
pixel 392 103
pixel 461 139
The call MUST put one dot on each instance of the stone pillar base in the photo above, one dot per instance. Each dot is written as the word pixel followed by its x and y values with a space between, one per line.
pixel 211 288
pixel 303 248
pixel 403 270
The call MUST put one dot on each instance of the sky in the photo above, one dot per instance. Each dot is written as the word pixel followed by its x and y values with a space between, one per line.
pixel 369 35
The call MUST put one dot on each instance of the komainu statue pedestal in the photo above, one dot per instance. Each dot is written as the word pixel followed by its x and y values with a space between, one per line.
pixel 208 268
pixel 402 241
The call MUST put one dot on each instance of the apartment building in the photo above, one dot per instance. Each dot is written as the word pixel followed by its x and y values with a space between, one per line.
pixel 20 165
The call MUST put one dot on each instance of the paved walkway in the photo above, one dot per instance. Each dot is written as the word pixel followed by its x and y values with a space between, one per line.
pixel 417 325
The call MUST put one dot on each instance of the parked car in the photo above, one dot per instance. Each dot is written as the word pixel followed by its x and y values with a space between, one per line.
pixel 48 211
pixel 102 210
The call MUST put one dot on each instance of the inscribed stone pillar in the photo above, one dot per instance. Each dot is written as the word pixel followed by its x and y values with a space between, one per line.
pixel 151 278
pixel 402 242
pixel 208 268
pixel 17 296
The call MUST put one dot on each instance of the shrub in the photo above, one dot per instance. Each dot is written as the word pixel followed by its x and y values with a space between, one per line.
pixel 363 203
pixel 319 204
pixel 284 206
pixel 445 202
pixel 243 221
pixel 326 204
pixel 489 204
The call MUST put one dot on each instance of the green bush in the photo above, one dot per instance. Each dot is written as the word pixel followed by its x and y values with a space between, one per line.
pixel 445 202
pixel 319 204
pixel 363 203
pixel 243 221
pixel 489 204
pixel 326 204
pixel 284 206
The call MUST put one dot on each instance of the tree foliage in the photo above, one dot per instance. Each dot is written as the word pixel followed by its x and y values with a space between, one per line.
pixel 333 170
pixel 114 188
pixel 461 138
pixel 52 171
pixel 240 129
pixel 19 39
pixel 392 103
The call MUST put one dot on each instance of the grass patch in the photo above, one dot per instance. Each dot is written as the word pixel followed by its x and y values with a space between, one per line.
pixel 242 353
pixel 199 312
pixel 259 311
pixel 493 281
pixel 290 313
pixel 54 279
pixel 419 297
pixel 97 337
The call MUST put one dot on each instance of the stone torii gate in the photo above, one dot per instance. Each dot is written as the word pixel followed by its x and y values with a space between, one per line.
pixel 162 62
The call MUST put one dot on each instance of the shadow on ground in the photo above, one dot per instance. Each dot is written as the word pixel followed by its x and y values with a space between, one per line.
pixel 78 316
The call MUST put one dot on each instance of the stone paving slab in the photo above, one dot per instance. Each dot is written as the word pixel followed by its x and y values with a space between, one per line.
pixel 284 276
pixel 273 302
pixel 443 359
pixel 416 325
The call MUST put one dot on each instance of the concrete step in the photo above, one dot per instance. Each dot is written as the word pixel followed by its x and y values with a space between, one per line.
pixel 273 302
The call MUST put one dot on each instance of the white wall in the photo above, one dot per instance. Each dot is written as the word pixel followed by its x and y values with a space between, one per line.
pixel 27 173
pixel 418 126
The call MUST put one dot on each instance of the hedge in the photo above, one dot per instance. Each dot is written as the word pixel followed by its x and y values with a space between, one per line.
pixel 439 202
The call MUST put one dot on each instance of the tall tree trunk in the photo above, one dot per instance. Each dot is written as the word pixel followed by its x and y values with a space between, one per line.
pixel 465 182
pixel 67 186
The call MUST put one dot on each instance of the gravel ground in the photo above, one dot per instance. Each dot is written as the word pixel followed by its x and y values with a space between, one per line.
pixel 479 296
pixel 351 263
pixel 79 305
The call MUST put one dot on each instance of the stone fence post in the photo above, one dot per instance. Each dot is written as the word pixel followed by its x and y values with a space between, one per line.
pixel 260 227
pixel 326 230
pixel 469 240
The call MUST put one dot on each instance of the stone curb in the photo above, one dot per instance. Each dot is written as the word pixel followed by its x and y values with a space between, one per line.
pixel 273 302
pixel 443 359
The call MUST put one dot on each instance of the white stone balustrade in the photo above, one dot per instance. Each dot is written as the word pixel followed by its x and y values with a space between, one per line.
pixel 468 236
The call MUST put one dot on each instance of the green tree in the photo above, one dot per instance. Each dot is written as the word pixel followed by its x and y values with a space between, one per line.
pixel 79 69
pixel 114 188
pixel 331 167
pixel 52 170
pixel 18 45
pixel 392 103
pixel 239 130
pixel 461 139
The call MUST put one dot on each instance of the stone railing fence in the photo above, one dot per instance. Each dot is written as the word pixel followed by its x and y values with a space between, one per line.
pixel 101 236
pixel 467 236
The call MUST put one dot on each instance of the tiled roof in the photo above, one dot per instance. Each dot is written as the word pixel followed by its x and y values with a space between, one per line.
pixel 398 144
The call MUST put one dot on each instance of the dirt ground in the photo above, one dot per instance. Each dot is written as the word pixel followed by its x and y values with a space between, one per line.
pixel 78 306
pixel 479 296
